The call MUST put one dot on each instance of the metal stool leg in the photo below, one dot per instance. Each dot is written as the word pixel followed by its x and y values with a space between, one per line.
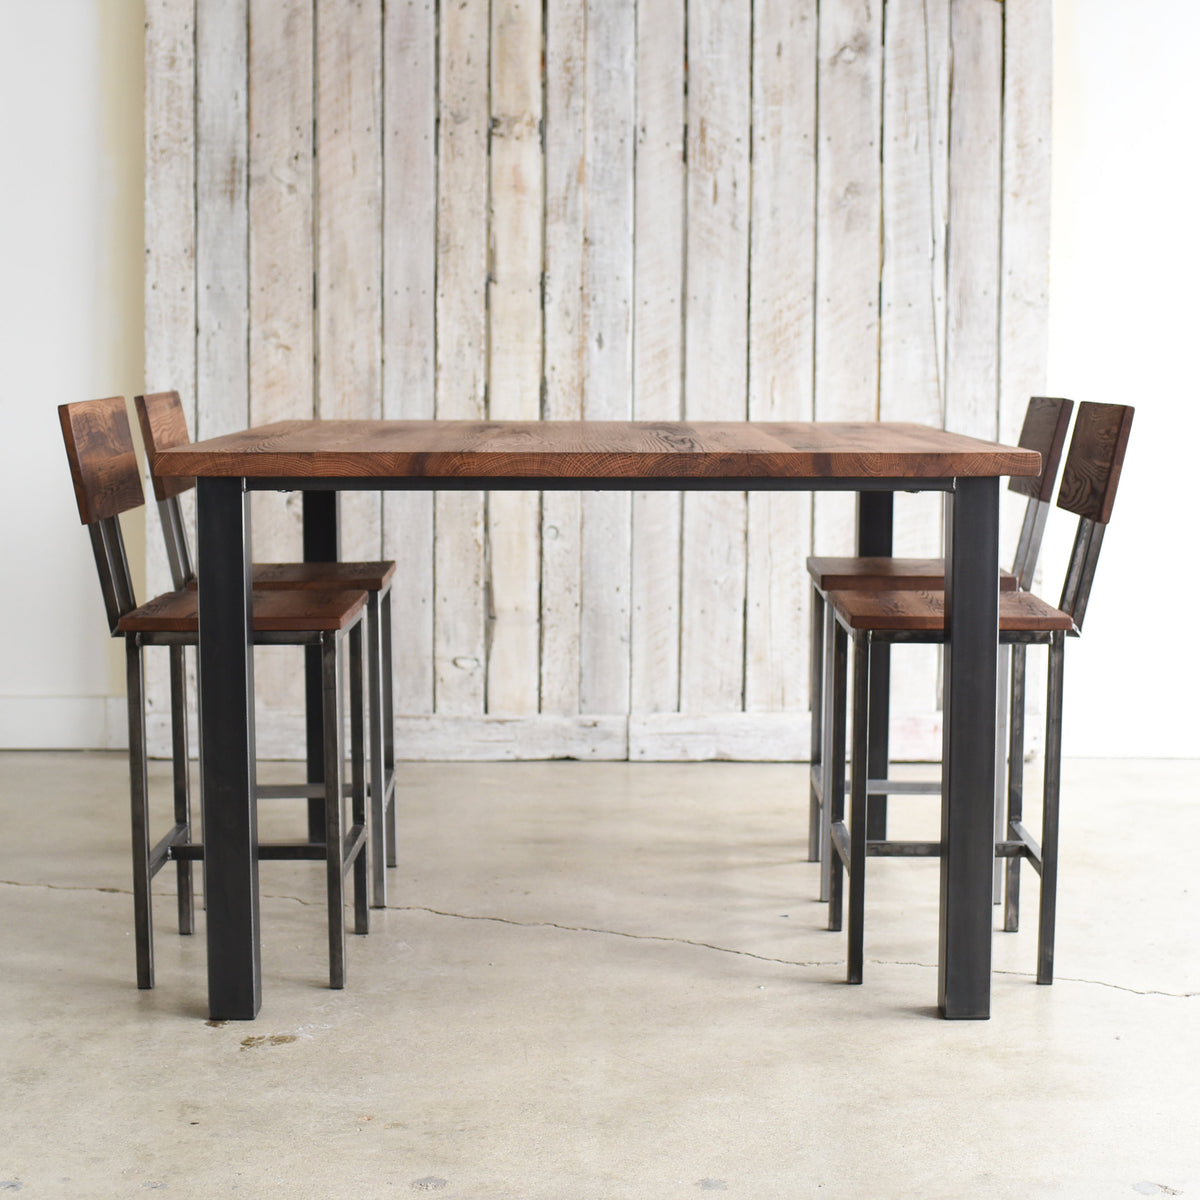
pixel 358 783
pixel 1000 817
pixel 392 833
pixel 334 769
pixel 1049 897
pixel 835 775
pixel 183 805
pixel 143 923
pixel 816 654
pixel 378 782
pixel 859 770
pixel 1016 786
pixel 829 765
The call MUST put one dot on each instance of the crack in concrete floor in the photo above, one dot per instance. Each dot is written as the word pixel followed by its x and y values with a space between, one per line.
pixel 639 937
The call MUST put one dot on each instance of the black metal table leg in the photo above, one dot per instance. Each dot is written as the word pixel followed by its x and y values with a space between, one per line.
pixel 322 543
pixel 875 539
pixel 969 748
pixel 227 765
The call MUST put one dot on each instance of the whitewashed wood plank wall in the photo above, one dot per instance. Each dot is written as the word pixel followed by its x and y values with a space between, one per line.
pixel 765 209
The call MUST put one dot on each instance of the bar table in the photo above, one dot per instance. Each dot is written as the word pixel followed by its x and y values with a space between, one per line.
pixel 323 458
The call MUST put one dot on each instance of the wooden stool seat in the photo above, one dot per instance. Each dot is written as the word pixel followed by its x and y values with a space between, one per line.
pixel 886 574
pixel 320 576
pixel 925 611
pixel 298 611
pixel 328 576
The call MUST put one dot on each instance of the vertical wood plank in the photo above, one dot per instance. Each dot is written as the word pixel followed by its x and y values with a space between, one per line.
pixel 409 329
pixel 222 222
pixel 910 376
pixel 939 69
pixel 222 309
pixel 280 243
pixel 563 344
pixel 846 368
pixel 1025 259
pixel 782 268
pixel 170 267
pixel 222 219
pixel 711 670
pixel 912 284
pixel 170 198
pixel 1025 220
pixel 349 251
pixel 849 317
pixel 281 281
pixel 658 346
pixel 515 343
pixel 973 270
pixel 610 116
pixel 459 637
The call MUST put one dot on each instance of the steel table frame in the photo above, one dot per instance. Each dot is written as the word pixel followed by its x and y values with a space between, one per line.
pixel 226 663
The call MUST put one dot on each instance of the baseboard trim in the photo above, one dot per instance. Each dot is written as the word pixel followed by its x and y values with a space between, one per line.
pixel 643 737
pixel 63 723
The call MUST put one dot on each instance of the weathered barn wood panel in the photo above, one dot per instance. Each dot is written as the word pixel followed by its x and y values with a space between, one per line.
pixel 770 209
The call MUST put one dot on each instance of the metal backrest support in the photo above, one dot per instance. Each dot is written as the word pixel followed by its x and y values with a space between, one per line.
pixel 104 470
pixel 116 582
pixel 1089 487
pixel 164 426
pixel 179 558
pixel 1029 544
pixel 1044 430
pixel 1081 569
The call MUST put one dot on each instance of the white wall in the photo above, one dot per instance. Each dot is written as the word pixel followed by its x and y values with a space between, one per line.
pixel 70 329
pixel 1124 326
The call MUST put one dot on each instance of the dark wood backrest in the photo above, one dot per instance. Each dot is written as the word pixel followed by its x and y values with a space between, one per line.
pixel 104 467
pixel 1088 489
pixel 1093 469
pixel 1044 430
pixel 104 470
pixel 164 426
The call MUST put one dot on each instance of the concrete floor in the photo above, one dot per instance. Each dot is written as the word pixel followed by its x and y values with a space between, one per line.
pixel 601 981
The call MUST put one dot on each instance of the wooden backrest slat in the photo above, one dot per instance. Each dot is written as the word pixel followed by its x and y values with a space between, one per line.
pixel 164 426
pixel 1044 430
pixel 1093 469
pixel 104 467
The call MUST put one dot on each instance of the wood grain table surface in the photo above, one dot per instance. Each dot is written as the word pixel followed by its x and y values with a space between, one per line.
pixel 637 450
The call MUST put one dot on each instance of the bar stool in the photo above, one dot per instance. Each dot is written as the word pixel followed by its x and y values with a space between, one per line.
pixel 104 470
pixel 1044 430
pixel 164 426
pixel 871 618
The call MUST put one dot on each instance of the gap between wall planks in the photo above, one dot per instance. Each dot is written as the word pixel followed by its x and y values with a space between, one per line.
pixel 656 208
